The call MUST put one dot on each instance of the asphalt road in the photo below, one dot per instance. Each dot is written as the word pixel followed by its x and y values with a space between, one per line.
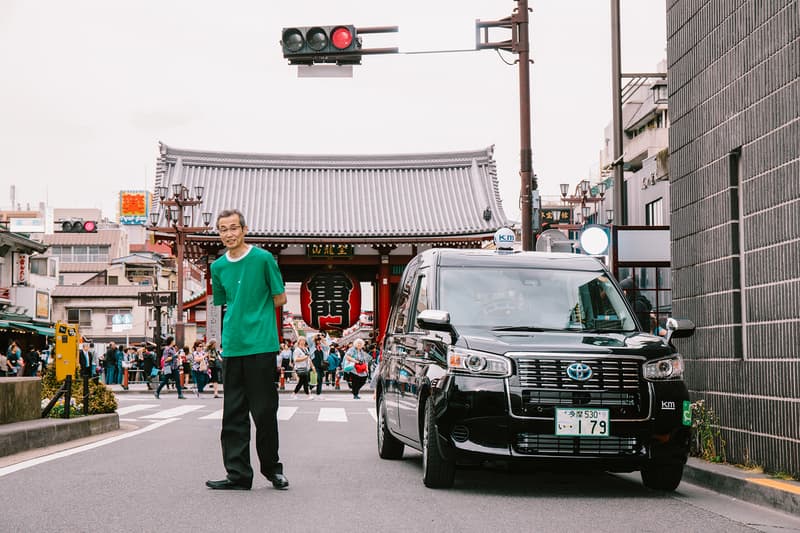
pixel 150 477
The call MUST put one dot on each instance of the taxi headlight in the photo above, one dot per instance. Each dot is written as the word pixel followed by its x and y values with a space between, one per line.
pixel 478 363
pixel 664 369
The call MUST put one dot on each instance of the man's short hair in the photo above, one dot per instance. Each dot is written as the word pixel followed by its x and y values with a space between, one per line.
pixel 230 212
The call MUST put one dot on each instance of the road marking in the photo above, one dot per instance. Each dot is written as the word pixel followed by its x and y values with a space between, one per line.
pixel 174 412
pixel 216 415
pixel 66 453
pixel 134 408
pixel 775 484
pixel 285 413
pixel 373 413
pixel 332 414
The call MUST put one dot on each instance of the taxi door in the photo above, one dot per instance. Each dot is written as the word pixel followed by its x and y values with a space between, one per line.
pixel 415 362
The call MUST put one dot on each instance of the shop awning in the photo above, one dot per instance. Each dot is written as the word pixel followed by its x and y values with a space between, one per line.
pixel 41 330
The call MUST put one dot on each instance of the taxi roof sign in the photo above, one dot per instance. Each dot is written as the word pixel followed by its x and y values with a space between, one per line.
pixel 504 239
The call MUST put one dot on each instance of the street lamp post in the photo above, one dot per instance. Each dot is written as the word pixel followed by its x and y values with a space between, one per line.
pixel 585 195
pixel 178 211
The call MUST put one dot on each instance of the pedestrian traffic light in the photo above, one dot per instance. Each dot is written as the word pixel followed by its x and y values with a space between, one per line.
pixel 79 226
pixel 322 44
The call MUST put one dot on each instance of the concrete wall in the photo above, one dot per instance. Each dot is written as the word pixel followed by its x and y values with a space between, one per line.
pixel 734 86
pixel 20 399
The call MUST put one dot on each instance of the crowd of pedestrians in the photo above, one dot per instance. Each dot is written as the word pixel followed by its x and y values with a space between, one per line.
pixel 325 363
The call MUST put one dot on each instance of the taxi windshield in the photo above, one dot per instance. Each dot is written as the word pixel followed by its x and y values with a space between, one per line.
pixel 534 299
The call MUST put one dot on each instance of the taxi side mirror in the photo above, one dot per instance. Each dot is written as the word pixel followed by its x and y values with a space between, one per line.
pixel 678 328
pixel 437 320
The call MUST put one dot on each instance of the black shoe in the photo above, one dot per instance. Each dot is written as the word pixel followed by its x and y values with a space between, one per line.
pixel 225 484
pixel 279 481
pixel 156 395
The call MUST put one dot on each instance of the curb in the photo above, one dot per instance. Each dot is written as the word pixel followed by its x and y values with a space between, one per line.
pixel 752 487
pixel 30 434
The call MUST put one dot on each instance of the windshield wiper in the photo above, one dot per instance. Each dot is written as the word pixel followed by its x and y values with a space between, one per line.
pixel 524 328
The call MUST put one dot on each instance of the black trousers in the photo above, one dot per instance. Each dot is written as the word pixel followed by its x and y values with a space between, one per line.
pixel 249 384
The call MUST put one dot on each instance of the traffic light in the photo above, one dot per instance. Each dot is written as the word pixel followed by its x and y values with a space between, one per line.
pixel 322 44
pixel 79 226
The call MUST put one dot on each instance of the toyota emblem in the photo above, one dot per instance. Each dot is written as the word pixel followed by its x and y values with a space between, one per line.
pixel 579 371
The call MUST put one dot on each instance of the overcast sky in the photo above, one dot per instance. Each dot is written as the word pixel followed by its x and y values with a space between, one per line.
pixel 90 87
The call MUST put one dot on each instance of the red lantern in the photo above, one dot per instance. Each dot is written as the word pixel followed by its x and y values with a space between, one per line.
pixel 330 299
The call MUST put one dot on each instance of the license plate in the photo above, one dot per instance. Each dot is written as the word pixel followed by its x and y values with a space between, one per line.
pixel 582 422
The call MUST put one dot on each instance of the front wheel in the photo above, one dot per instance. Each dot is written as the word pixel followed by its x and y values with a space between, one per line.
pixel 437 472
pixel 662 476
pixel 388 446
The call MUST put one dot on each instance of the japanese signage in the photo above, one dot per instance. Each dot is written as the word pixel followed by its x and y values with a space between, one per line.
pixel 556 216
pixel 22 269
pixel 329 250
pixel 133 207
pixel 43 305
pixel 330 299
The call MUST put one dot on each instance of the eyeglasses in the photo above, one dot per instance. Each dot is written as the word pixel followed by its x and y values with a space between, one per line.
pixel 233 229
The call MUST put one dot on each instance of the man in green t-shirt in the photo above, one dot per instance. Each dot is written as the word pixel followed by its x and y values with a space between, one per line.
pixel 247 280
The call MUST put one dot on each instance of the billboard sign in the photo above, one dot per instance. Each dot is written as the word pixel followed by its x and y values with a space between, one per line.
pixel 134 207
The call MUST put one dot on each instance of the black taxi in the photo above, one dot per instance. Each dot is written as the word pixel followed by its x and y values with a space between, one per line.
pixel 507 356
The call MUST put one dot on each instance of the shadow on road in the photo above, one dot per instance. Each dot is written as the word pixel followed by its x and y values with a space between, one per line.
pixel 509 481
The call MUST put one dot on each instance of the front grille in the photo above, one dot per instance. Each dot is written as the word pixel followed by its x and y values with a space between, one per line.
pixel 534 444
pixel 569 398
pixel 551 373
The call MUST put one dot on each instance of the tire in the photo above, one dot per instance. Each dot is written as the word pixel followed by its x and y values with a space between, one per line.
pixel 662 476
pixel 437 471
pixel 388 446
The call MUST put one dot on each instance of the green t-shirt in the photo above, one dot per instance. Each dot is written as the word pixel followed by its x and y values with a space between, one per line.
pixel 249 326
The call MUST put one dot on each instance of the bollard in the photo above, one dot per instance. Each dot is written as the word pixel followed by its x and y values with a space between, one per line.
pixel 282 381
pixel 338 387
pixel 85 395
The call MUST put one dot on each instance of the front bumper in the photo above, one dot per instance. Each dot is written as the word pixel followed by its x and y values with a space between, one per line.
pixel 477 421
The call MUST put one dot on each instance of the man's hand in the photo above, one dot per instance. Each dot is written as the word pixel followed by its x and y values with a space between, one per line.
pixel 279 299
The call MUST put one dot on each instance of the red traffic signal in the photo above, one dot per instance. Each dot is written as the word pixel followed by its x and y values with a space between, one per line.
pixel 322 44
pixel 79 226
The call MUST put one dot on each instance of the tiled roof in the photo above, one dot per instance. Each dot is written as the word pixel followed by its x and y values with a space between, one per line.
pixel 81 239
pixel 403 195
pixel 99 291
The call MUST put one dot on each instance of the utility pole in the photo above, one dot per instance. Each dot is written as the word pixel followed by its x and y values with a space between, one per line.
pixel 620 215
pixel 519 43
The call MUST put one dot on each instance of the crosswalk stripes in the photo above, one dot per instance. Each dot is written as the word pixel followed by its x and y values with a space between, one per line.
pixel 332 414
pixel 285 413
pixel 122 411
pixel 174 412
pixel 154 411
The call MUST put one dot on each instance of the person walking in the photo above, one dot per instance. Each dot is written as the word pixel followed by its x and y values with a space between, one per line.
pixel 199 367
pixel 286 359
pixel 14 356
pixel 302 366
pixel 334 359
pixel 247 279
pixel 170 368
pixel 215 364
pixel 319 359
pixel 110 363
pixel 357 358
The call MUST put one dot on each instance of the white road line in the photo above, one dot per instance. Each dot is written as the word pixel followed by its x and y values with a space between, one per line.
pixel 285 413
pixel 216 415
pixel 134 408
pixel 66 453
pixel 174 412
pixel 373 413
pixel 332 414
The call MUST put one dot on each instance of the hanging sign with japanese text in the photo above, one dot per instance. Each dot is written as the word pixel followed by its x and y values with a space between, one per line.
pixel 330 299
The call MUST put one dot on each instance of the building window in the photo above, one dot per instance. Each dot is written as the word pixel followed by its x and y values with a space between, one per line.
pixel 119 311
pixel 81 254
pixel 82 317
pixel 113 280
pixel 654 213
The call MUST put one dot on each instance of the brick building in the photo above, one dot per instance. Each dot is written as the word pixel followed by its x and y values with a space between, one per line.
pixel 734 138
